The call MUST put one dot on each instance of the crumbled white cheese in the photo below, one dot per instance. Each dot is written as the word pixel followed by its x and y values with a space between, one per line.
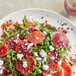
pixel 18 35
pixel 45 67
pixel 37 27
pixel 20 22
pixel 25 64
pixel 73 56
pixel 56 54
pixel 44 60
pixel 30 44
pixel 16 41
pixel 51 48
pixel 36 54
pixel 1 71
pixel 52 57
pixel 60 62
pixel 39 63
pixel 26 44
pixel 38 58
pixel 20 56
pixel 1 62
pixel 43 53
pixel 44 32
pixel 37 38
pixel 49 74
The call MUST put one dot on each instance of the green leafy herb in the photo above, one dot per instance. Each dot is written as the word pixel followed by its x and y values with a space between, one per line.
pixel 61 53
pixel 6 38
pixel 37 23
pixel 24 19
pixel 70 47
pixel 54 72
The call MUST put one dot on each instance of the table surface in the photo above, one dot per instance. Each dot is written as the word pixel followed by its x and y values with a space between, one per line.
pixel 8 6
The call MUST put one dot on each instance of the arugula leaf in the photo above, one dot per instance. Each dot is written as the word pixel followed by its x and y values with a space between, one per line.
pixel 22 27
pixel 24 19
pixel 11 61
pixel 6 38
pixel 6 33
pixel 61 53
pixel 70 47
pixel 37 23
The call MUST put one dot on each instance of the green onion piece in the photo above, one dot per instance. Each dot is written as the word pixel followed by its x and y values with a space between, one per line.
pixel 27 26
pixel 37 23
pixel 24 19
pixel 6 33
pixel 22 27
pixel 44 29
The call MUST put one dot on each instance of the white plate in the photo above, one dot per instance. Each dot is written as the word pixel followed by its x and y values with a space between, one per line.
pixel 50 16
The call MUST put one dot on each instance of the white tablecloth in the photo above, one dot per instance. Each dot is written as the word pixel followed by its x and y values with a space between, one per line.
pixel 8 6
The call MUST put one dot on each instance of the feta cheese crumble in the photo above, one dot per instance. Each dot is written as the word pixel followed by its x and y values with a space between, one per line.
pixel 1 62
pixel 38 58
pixel 44 60
pixel 51 48
pixel 25 64
pixel 44 33
pixel 15 41
pixel 73 56
pixel 30 44
pixel 60 62
pixel 20 56
pixel 26 44
pixel 49 74
pixel 52 57
pixel 45 67
pixel 17 35
pixel 37 27
pixel 36 54
pixel 43 53
pixel 1 71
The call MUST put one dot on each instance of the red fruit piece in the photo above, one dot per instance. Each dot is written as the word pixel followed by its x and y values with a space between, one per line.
pixel 60 40
pixel 3 25
pixel 54 54
pixel 5 70
pixel 32 30
pixel 31 24
pixel 12 42
pixel 10 75
pixel 3 50
pixel 28 69
pixel 53 68
pixel 10 26
pixel 25 37
pixel 24 47
pixel 67 69
pixel 36 37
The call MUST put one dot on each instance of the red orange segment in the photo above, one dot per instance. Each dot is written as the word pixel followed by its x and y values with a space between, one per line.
pixel 60 40
pixel 36 37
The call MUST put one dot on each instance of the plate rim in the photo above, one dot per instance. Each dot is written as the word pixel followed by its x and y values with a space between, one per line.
pixel 51 11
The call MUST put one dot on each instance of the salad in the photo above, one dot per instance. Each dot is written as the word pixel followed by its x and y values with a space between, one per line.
pixel 34 49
